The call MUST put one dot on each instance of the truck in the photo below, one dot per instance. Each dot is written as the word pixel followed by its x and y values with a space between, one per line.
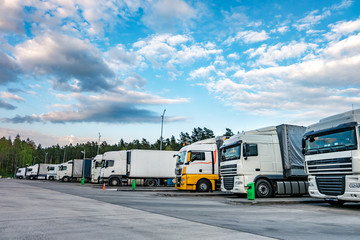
pixel 75 170
pixel 197 166
pixel 95 168
pixel 269 160
pixel 153 167
pixel 39 171
pixel 332 157
pixel 20 173
pixel 52 171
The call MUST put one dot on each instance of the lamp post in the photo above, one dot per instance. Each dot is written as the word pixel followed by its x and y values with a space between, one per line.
pixel 162 123
pixel 83 170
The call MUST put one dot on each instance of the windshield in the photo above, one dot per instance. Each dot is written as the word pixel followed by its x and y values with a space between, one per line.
pixel 340 140
pixel 231 153
pixel 181 158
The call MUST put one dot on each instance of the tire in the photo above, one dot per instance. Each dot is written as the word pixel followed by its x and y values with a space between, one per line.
pixel 31 178
pixel 203 186
pixel 263 189
pixel 51 178
pixel 114 182
pixel 150 182
pixel 66 179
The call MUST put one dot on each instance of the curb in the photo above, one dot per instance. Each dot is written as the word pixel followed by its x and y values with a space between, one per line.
pixel 273 201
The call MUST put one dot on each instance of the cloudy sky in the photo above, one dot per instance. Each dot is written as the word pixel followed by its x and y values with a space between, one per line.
pixel 70 69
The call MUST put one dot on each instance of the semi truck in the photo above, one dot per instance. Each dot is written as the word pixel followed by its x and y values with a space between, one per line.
pixel 75 170
pixel 95 168
pixel 20 173
pixel 39 171
pixel 52 171
pixel 197 166
pixel 269 159
pixel 153 167
pixel 332 157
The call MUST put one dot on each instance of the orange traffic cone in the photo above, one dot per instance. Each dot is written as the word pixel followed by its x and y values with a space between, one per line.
pixel 103 187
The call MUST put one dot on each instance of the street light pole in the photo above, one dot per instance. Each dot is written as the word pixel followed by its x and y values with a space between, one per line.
pixel 98 145
pixel 162 123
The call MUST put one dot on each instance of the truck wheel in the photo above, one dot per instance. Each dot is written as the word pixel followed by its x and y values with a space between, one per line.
pixel 114 182
pixel 150 182
pixel 31 178
pixel 203 186
pixel 66 179
pixel 263 189
pixel 51 178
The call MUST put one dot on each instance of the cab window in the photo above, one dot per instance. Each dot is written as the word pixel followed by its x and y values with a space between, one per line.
pixel 197 156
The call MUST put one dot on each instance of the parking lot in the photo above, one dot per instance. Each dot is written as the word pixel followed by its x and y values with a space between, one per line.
pixel 56 210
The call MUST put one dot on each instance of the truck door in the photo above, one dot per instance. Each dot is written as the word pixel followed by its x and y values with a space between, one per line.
pixel 251 161
pixel 200 163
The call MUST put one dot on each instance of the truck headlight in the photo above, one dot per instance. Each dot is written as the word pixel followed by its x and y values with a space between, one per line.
pixel 237 182
pixel 354 185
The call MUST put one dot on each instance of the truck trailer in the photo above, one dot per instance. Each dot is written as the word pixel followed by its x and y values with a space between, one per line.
pixel 197 166
pixel 154 167
pixel 332 156
pixel 270 158
pixel 75 170
pixel 39 171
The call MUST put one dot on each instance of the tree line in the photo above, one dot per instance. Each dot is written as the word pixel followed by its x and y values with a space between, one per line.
pixel 21 153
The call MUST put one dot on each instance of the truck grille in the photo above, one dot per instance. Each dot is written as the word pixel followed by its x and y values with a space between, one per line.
pixel 228 170
pixel 228 182
pixel 331 185
pixel 330 166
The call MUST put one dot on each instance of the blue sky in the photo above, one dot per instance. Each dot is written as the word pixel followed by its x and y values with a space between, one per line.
pixel 71 69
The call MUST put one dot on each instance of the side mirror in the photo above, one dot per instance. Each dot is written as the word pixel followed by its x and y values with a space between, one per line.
pixel 303 146
pixel 246 151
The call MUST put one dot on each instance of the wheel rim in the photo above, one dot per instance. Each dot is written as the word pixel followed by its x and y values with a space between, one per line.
pixel 203 187
pixel 263 190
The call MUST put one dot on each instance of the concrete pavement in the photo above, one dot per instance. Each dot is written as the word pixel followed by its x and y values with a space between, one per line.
pixel 28 212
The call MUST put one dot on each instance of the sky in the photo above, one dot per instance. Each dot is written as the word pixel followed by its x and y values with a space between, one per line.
pixel 73 69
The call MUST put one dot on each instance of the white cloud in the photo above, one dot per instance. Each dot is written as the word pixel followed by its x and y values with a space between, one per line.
pixel 7 95
pixel 203 72
pixel 328 81
pixel 74 64
pixel 271 55
pixel 314 17
pixel 234 56
pixel 11 16
pixel 165 15
pixel 343 29
pixel 248 37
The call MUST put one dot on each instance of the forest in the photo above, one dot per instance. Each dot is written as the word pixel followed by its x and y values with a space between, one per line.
pixel 21 153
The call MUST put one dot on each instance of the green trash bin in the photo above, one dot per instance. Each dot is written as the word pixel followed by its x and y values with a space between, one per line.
pixel 133 184
pixel 251 191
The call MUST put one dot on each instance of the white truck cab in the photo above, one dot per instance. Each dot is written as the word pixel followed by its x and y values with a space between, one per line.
pixel 332 155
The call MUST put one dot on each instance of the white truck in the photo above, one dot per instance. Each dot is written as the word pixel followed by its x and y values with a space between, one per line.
pixel 95 168
pixel 154 167
pixel 271 158
pixel 20 173
pixel 75 169
pixel 332 155
pixel 52 171
pixel 197 166
pixel 38 171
